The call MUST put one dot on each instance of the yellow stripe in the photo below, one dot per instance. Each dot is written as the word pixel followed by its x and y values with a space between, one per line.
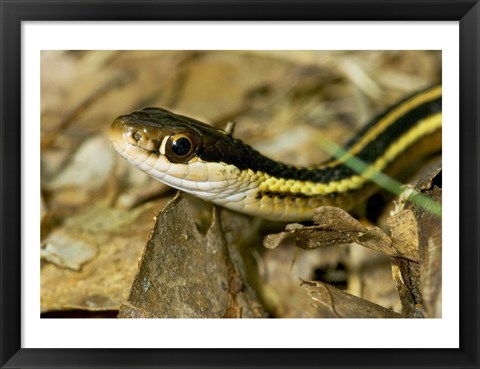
pixel 423 128
pixel 388 120
pixel 394 115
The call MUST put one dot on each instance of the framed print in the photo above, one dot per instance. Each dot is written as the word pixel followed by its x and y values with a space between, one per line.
pixel 279 164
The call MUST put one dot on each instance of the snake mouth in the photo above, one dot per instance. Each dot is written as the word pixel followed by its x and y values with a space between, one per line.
pixel 116 135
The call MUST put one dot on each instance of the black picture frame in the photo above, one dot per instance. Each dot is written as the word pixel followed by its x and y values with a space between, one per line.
pixel 467 12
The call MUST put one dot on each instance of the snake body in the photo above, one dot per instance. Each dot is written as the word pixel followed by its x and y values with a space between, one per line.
pixel 211 164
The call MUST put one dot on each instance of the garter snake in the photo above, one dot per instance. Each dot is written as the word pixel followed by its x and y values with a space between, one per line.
pixel 211 164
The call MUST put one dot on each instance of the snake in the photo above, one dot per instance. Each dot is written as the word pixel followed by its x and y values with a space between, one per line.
pixel 212 164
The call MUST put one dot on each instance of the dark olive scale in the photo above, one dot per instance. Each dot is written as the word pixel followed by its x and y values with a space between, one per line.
pixel 214 145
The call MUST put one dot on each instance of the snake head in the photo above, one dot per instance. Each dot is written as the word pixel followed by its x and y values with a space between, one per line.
pixel 179 151
pixel 158 132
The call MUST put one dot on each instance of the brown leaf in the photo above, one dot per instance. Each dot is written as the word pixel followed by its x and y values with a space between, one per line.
pixel 283 268
pixel 90 260
pixel 406 275
pixel 68 250
pixel 404 233
pixel 335 303
pixel 414 228
pixel 335 226
pixel 185 274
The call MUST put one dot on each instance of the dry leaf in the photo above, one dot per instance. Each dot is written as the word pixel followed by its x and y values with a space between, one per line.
pixel 185 274
pixel 334 303
pixel 335 226
pixel 90 260
pixel 419 284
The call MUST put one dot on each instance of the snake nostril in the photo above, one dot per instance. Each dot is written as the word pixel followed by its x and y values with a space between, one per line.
pixel 137 136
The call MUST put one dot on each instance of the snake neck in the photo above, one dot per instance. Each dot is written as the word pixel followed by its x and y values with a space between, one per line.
pixel 382 142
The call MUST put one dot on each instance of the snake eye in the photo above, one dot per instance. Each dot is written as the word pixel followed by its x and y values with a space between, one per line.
pixel 180 147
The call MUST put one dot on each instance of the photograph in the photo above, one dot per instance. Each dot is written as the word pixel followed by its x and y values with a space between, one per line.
pixel 241 184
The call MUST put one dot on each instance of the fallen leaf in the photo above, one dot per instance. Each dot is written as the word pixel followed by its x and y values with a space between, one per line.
pixel 185 274
pixel 335 303
pixel 335 226
pixel 90 260
pixel 414 228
